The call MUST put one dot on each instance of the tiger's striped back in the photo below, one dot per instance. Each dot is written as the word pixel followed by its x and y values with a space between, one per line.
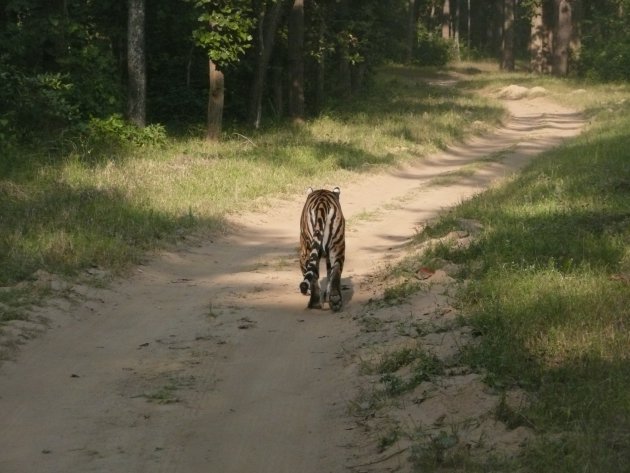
pixel 322 234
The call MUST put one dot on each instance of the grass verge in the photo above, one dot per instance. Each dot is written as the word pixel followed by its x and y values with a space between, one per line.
pixel 549 286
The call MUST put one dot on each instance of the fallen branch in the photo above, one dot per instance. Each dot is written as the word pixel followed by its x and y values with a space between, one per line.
pixel 245 138
pixel 380 460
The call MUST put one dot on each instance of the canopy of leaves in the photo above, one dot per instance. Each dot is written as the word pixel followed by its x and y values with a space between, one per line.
pixel 225 31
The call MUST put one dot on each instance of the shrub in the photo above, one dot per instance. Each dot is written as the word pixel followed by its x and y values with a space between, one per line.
pixel 431 50
pixel 115 130
pixel 608 60
pixel 34 104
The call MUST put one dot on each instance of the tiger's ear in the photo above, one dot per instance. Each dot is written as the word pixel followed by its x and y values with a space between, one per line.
pixel 337 191
pixel 309 190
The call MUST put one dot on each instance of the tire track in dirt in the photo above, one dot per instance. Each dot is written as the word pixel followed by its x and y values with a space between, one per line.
pixel 206 358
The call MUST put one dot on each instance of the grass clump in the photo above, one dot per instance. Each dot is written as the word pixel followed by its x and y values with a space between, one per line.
pixel 398 293
pixel 402 370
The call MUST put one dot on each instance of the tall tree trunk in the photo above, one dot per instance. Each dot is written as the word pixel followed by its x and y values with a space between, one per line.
pixel 446 19
pixel 468 26
pixel 537 39
pixel 562 38
pixel 215 102
pixel 296 61
pixel 490 30
pixel 507 49
pixel 358 72
pixel 345 69
pixel 456 30
pixel 136 64
pixel 411 30
pixel 344 72
pixel 189 62
pixel 321 67
pixel 267 28
pixel 498 27
pixel 278 88
pixel 576 35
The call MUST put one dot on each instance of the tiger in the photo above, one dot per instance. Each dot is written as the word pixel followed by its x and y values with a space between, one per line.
pixel 322 233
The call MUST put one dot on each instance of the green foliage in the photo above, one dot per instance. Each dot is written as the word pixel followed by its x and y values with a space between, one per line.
pixel 226 30
pixel 115 130
pixel 431 49
pixel 605 40
pixel 32 104
pixel 95 91
pixel 177 69
pixel 57 68
pixel 607 60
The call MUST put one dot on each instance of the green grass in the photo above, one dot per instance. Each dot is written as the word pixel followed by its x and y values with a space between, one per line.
pixel 549 288
pixel 164 395
pixel 166 392
pixel 421 366
pixel 398 293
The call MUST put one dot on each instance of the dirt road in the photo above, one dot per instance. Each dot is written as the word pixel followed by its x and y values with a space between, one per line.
pixel 206 360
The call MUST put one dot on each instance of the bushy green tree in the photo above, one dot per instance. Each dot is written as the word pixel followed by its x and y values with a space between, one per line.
pixel 57 67
pixel 605 47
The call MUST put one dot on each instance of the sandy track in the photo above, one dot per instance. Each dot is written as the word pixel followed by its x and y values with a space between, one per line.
pixel 206 360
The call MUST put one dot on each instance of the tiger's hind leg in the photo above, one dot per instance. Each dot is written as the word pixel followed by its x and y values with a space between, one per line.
pixel 311 281
pixel 315 301
pixel 333 289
